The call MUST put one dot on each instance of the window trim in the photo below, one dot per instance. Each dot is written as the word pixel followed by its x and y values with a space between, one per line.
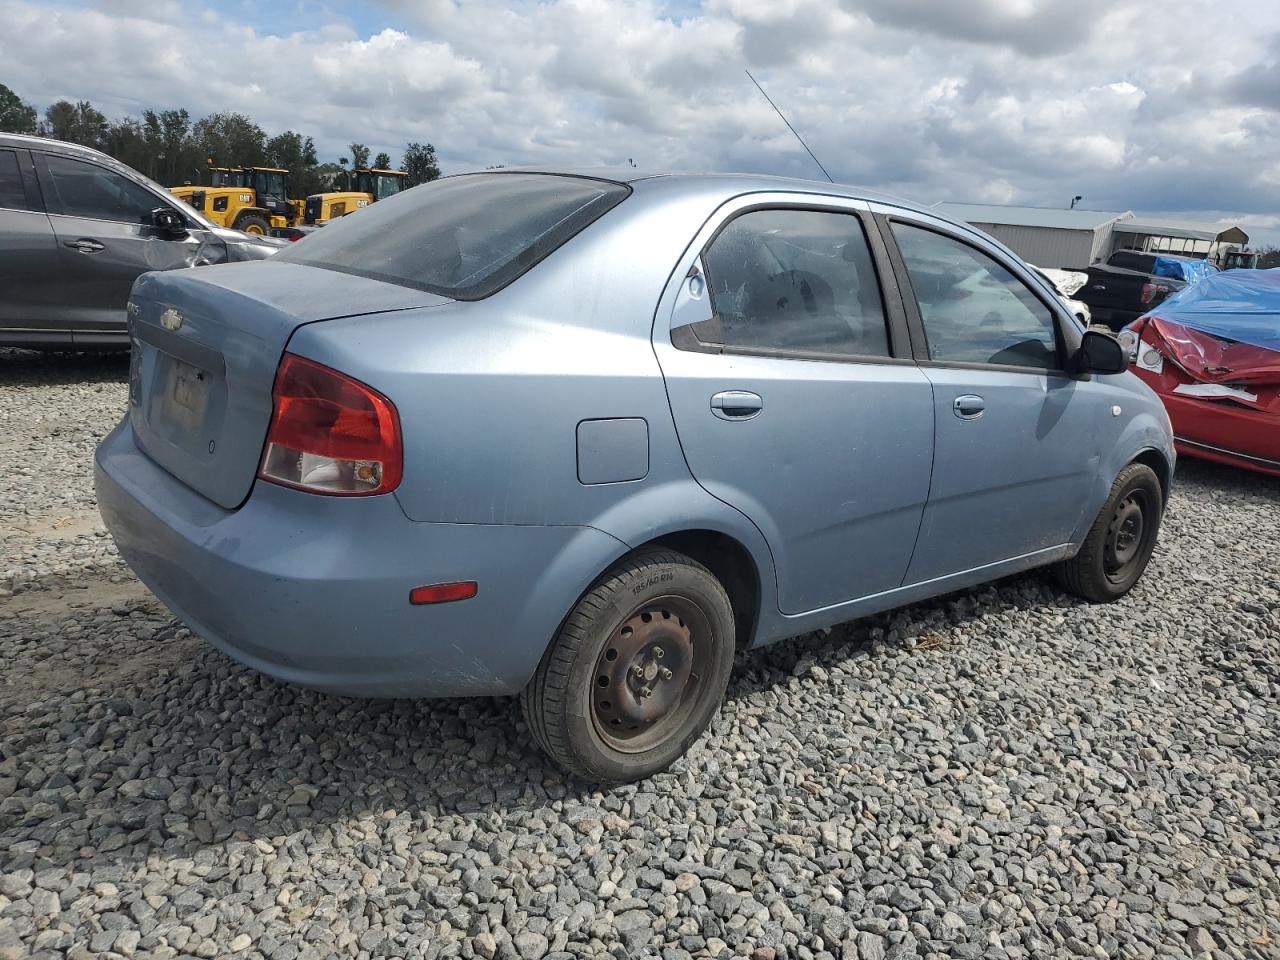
pixel 30 194
pixel 895 321
pixel 54 205
pixel 920 342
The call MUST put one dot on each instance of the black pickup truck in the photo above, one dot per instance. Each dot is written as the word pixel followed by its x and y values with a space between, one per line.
pixel 1126 286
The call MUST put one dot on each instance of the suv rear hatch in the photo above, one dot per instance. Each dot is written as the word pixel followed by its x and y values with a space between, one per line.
pixel 206 344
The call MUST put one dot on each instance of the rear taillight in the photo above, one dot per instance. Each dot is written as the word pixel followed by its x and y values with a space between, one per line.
pixel 1153 292
pixel 330 434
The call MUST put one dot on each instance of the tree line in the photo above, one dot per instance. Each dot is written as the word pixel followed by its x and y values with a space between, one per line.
pixel 171 148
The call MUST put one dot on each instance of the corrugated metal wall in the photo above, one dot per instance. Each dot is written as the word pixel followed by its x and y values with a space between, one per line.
pixel 1046 246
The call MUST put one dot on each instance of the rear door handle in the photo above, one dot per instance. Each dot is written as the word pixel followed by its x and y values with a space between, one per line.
pixel 84 245
pixel 736 404
pixel 968 407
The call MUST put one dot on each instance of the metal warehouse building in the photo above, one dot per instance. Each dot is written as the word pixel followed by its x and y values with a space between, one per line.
pixel 1073 239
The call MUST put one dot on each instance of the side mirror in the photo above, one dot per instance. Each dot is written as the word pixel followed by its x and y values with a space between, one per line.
pixel 167 221
pixel 1099 353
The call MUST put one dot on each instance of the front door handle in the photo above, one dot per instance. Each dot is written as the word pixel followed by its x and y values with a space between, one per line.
pixel 84 245
pixel 736 404
pixel 968 407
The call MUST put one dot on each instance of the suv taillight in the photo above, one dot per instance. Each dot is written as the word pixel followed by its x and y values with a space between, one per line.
pixel 1150 291
pixel 330 434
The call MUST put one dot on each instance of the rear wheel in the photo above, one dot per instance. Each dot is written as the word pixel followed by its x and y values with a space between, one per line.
pixel 1121 540
pixel 637 670
pixel 254 224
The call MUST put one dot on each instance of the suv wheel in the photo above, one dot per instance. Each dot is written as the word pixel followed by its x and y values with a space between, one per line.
pixel 637 670
pixel 1120 542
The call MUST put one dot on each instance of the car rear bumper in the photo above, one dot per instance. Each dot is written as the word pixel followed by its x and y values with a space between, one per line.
pixel 315 590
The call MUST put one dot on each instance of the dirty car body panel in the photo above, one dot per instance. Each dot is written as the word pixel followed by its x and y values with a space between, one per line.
pixel 561 417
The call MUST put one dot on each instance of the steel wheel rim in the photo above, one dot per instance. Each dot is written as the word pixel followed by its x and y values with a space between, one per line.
pixel 649 674
pixel 1126 535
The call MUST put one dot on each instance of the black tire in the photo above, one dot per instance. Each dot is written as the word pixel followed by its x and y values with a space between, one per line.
pixel 254 224
pixel 1120 542
pixel 683 654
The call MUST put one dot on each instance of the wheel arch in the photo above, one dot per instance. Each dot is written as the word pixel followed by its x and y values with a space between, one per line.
pixel 731 563
pixel 1160 465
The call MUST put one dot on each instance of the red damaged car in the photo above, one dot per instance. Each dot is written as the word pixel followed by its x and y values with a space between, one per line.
pixel 1212 352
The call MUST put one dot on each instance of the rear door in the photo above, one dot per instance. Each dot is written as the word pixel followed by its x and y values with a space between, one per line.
pixel 1016 448
pixel 30 271
pixel 98 219
pixel 794 394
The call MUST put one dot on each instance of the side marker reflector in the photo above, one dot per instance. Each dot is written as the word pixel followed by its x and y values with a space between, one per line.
pixel 443 592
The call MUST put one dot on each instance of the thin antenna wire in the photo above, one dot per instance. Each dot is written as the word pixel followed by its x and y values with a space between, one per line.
pixel 790 127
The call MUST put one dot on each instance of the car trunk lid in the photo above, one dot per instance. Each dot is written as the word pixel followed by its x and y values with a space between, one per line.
pixel 206 344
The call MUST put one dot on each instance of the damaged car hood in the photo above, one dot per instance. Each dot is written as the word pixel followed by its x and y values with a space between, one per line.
pixel 1224 329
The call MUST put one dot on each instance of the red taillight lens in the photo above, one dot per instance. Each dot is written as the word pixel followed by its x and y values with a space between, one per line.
pixel 1150 291
pixel 330 434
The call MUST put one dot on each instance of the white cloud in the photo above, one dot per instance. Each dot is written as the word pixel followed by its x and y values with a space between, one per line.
pixel 1029 101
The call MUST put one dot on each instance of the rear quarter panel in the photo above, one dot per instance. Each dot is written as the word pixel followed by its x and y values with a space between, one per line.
pixel 491 393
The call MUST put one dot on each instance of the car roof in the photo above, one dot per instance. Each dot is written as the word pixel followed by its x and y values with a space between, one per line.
pixel 55 146
pixel 729 183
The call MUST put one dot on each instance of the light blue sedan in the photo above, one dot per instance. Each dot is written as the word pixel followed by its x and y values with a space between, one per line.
pixel 580 437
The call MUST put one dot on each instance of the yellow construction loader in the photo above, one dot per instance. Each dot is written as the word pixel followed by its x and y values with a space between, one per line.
pixel 368 186
pixel 252 199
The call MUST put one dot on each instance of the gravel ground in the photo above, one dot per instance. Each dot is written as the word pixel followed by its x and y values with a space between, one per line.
pixel 1004 772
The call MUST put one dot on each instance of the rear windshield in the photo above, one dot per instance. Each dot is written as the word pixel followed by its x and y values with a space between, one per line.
pixel 462 237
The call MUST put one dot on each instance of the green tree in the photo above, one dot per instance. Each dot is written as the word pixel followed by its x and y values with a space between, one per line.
pixel 382 161
pixel 420 164
pixel 297 154
pixel 76 122
pixel 359 156
pixel 173 154
pixel 231 139
pixel 331 176
pixel 15 115
pixel 126 140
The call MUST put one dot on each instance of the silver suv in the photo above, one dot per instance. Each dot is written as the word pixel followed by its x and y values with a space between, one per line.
pixel 76 229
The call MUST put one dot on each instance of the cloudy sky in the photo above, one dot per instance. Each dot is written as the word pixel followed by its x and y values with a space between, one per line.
pixel 1175 112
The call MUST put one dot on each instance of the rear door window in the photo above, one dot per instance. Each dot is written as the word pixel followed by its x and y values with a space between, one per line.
pixel 463 237
pixel 797 281
pixel 88 190
pixel 12 195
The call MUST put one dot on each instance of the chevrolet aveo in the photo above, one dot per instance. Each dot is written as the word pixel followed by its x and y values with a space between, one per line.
pixel 580 438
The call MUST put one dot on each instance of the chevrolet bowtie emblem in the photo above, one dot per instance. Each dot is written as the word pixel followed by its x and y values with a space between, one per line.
pixel 171 319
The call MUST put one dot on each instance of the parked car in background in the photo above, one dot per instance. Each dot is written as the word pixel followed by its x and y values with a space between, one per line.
pixel 1131 282
pixel 76 229
pixel 443 448
pixel 1212 353
pixel 1068 283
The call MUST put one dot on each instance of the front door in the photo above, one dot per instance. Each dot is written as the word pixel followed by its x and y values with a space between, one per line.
pixel 795 398
pixel 1016 446
pixel 98 218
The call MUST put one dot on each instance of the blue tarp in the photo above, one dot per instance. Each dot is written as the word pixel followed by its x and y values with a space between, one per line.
pixel 1241 305
pixel 1181 268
